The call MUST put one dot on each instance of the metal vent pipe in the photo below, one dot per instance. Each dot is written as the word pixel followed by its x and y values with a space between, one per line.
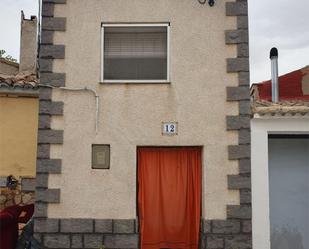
pixel 274 75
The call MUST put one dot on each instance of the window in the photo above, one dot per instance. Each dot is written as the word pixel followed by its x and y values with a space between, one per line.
pixel 135 53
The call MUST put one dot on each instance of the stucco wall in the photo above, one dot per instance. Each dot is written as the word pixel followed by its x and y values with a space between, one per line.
pixel 131 114
pixel 260 128
pixel 18 133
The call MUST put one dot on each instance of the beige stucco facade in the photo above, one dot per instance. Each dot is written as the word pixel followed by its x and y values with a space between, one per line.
pixel 130 115
pixel 18 133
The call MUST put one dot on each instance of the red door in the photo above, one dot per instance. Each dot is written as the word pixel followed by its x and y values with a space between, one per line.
pixel 169 197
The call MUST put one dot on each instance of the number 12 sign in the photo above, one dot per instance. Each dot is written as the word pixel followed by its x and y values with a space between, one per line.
pixel 169 128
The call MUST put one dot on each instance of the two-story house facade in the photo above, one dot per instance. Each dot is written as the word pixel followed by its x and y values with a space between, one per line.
pixel 144 140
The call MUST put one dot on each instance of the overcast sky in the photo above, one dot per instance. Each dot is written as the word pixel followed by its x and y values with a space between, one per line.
pixel 280 23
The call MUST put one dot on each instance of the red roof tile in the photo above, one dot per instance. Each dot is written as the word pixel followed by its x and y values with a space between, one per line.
pixel 290 86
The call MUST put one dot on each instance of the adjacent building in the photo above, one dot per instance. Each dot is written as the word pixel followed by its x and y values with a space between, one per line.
pixel 19 105
pixel 280 163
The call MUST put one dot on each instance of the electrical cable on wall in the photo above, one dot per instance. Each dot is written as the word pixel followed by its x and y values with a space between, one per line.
pixel 97 98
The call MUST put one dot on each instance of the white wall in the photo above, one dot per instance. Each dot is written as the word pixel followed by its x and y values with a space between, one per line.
pixel 260 128
pixel 289 192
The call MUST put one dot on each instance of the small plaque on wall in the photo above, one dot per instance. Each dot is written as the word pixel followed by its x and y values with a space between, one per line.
pixel 100 156
pixel 169 128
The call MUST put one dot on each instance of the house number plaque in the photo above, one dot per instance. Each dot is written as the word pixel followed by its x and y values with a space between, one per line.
pixel 169 128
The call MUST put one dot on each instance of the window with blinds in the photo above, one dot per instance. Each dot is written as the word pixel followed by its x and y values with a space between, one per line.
pixel 135 53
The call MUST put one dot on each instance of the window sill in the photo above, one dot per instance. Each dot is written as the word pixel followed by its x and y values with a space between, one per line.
pixel 135 82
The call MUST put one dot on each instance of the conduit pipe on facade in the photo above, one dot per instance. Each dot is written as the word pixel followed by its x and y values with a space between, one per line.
pixel 97 99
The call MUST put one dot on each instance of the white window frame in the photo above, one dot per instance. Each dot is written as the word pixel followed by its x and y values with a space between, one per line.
pixel 167 25
pixel 260 129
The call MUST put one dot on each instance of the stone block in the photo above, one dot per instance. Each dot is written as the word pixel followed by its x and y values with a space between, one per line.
pixel 214 242
pixel 42 180
pixel 53 79
pixel 52 51
pixel 76 226
pixel 28 198
pixel 245 196
pixel 43 151
pixel 236 8
pixel 244 166
pixel 51 108
pixel 244 107
pixel 103 226
pixel 123 226
pixel 47 37
pixel 236 36
pixel 234 65
pixel 77 241
pixel 50 136
pixel 238 212
pixel 40 210
pixel 237 93
pixel 238 152
pixel 244 78
pixel 243 50
pixel 225 226
pixel 136 226
pixel 46 225
pixel 45 93
pixel 56 241
pixel 37 237
pixel 244 136
pixel 28 184
pixel 47 10
pixel 51 166
pixel 48 195
pixel 246 226
pixel 239 242
pixel 242 22
pixel 237 122
pixel 239 182
pixel 54 23
pixel 206 226
pixel 45 65
pixel 121 241
pixel 93 240
pixel 44 121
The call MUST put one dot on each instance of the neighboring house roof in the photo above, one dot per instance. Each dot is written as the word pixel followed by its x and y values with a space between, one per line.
pixel 13 81
pixel 21 84
pixel 19 80
pixel 11 63
pixel 293 95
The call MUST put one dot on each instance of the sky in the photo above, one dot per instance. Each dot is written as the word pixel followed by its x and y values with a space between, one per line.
pixel 272 23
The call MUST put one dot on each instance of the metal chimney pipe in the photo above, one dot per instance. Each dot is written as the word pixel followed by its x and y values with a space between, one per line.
pixel 274 75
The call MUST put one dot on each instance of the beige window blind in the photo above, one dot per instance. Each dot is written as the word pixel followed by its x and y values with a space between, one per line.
pixel 135 53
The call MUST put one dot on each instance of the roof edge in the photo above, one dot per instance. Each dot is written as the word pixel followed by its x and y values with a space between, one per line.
pixel 11 63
